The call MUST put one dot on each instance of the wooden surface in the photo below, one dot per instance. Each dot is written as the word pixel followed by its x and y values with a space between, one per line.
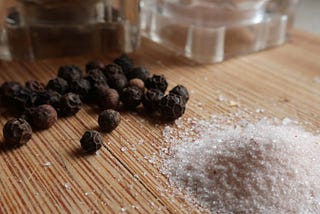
pixel 125 176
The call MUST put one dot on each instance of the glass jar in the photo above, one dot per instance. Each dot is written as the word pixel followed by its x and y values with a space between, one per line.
pixel 215 30
pixel 284 7
pixel 37 29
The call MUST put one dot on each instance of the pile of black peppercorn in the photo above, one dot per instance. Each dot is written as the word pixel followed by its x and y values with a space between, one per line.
pixel 112 87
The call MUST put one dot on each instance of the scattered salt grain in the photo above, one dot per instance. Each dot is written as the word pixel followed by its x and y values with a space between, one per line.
pixel 46 164
pixel 221 98
pixel 233 103
pixel 259 110
pixel 67 186
pixel 261 167
pixel 124 149
pixel 123 209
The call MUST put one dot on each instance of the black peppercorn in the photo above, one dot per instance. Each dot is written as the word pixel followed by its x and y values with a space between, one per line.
pixel 109 120
pixel 91 141
pixel 172 107
pixel 137 82
pixel 44 116
pixel 151 99
pixel 49 97
pixel 108 98
pixel 58 84
pixel 131 97
pixel 54 100
pixel 180 90
pixel 70 104
pixel 17 132
pixel 81 87
pixel 125 62
pixel 115 77
pixel 70 73
pixel 9 90
pixel 138 72
pixel 92 65
pixel 96 77
pixel 112 70
pixel 24 99
pixel 35 86
pixel 157 82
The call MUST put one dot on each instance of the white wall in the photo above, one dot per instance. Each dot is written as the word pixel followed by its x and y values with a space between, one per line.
pixel 308 16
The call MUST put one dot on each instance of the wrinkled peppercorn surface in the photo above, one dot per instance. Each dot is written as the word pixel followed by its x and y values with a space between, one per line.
pixel 58 84
pixel 80 87
pixel 91 141
pixel 151 99
pixel 35 86
pixel 70 104
pixel 157 82
pixel 108 98
pixel 44 116
pixel 17 132
pixel 70 73
pixel 139 72
pixel 180 90
pixel 172 107
pixel 109 120
pixel 131 97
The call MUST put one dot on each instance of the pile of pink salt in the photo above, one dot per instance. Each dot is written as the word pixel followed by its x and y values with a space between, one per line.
pixel 246 167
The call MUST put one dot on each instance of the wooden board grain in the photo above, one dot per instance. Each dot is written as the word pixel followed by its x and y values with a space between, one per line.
pixel 51 175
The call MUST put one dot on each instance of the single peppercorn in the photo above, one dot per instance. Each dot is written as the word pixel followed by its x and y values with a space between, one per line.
pixel 151 99
pixel 92 65
pixel 70 73
pixel 54 100
pixel 44 116
pixel 70 104
pixel 138 72
pixel 24 99
pixel 125 62
pixel 108 98
pixel 118 82
pixel 96 77
pixel 157 82
pixel 112 70
pixel 17 132
pixel 35 86
pixel 58 84
pixel 91 141
pixel 115 77
pixel 9 90
pixel 81 87
pixel 137 82
pixel 131 97
pixel 109 120
pixel 180 90
pixel 172 107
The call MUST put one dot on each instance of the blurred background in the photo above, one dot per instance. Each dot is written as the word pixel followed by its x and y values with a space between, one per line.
pixel 308 16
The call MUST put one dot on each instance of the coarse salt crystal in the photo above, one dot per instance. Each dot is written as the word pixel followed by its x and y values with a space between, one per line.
pixel 67 185
pixel 46 164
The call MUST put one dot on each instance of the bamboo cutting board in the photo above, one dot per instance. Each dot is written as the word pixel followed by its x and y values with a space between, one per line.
pixel 51 174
